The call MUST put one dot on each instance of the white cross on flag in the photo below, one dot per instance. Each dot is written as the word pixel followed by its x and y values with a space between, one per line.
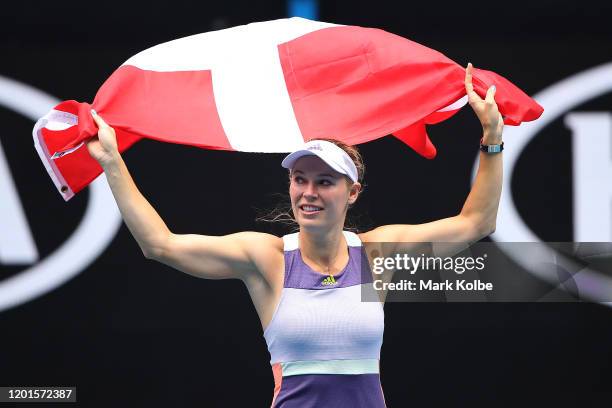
pixel 268 87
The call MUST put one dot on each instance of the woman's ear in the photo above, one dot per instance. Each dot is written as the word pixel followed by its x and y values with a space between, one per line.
pixel 354 191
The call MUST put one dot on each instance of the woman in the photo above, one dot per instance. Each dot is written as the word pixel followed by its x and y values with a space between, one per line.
pixel 324 342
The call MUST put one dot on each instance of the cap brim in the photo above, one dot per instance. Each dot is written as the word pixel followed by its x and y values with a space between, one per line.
pixel 289 161
pixel 291 158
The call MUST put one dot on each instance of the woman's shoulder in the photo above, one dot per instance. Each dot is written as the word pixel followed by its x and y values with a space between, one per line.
pixel 367 236
pixel 261 240
pixel 265 251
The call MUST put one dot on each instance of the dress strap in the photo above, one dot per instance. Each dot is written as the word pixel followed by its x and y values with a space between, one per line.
pixel 290 242
pixel 352 239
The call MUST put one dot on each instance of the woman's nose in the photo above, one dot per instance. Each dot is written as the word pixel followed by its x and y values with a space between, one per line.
pixel 310 190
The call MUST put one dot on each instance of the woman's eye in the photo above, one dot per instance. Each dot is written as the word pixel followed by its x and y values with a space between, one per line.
pixel 326 182
pixel 299 180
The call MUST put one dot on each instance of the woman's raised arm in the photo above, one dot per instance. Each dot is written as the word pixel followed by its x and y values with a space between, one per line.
pixel 230 256
pixel 477 218
pixel 144 223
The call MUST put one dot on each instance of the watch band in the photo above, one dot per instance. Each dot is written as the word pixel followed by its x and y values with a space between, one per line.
pixel 491 148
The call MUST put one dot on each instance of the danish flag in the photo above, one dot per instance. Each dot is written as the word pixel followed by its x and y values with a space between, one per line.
pixel 268 87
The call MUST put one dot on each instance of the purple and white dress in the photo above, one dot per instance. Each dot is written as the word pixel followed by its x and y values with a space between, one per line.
pixel 324 341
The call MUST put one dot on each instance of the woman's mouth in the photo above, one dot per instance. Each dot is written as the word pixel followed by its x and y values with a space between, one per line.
pixel 310 209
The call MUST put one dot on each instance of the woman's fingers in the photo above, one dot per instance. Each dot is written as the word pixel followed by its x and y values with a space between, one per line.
pixel 490 98
pixel 486 110
pixel 469 87
pixel 104 130
pixel 106 134
pixel 98 119
pixel 490 104
pixel 468 77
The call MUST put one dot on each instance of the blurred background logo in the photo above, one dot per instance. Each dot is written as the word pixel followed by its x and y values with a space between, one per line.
pixel 591 180
pixel 32 272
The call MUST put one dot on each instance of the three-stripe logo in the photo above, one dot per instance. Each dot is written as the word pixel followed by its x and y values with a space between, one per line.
pixel 328 281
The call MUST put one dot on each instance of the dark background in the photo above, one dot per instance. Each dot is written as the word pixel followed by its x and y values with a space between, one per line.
pixel 131 332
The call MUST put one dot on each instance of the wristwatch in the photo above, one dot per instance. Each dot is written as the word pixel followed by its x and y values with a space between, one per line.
pixel 491 148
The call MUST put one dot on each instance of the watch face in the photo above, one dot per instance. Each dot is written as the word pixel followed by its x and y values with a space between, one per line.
pixel 492 148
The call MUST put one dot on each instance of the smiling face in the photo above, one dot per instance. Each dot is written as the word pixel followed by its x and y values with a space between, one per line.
pixel 320 195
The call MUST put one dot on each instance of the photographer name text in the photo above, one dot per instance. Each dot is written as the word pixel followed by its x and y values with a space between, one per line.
pixel 431 285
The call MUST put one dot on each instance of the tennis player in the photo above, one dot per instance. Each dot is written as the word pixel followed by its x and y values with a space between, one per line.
pixel 324 342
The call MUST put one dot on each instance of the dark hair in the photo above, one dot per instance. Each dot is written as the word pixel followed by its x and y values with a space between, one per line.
pixel 282 213
pixel 353 153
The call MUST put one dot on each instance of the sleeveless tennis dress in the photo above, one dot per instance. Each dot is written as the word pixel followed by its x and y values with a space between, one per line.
pixel 324 341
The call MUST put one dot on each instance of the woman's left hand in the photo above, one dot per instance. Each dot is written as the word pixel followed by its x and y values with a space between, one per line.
pixel 486 110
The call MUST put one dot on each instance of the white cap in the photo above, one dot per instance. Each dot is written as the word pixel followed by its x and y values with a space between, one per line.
pixel 334 156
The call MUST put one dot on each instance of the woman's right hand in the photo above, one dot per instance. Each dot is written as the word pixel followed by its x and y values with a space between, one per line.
pixel 103 148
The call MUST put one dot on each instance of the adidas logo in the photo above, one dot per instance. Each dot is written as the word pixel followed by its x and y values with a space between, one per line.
pixel 329 281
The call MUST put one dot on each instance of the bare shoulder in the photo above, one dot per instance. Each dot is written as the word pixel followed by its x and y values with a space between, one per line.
pixel 260 239
pixel 373 235
pixel 388 233
pixel 266 252
pixel 261 243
